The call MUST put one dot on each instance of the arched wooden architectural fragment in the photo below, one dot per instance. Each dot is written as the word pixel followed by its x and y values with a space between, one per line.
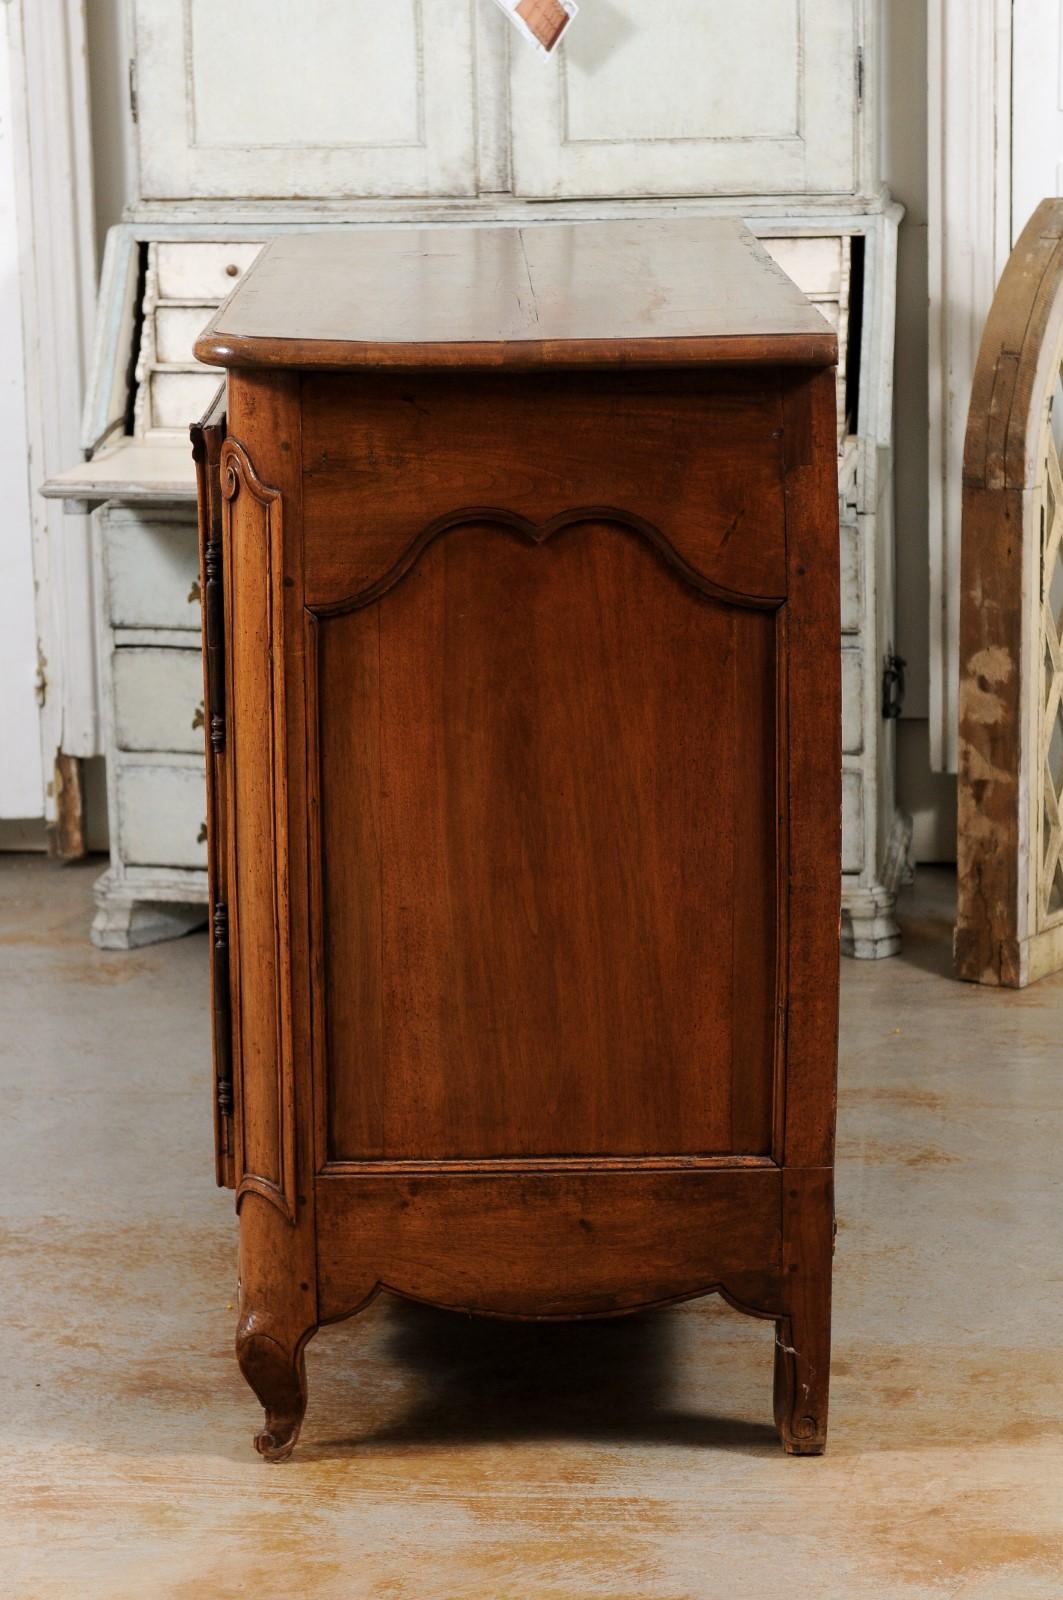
pixel 1009 923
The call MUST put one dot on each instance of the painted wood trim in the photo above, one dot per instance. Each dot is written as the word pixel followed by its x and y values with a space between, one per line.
pixel 50 115
pixel 105 398
pixel 969 166
pixel 156 219
pixel 21 778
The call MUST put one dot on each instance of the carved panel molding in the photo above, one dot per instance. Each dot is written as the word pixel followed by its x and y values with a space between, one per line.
pixel 259 863
pixel 537 533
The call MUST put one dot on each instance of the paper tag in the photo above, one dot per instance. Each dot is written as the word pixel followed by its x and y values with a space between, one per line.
pixel 542 22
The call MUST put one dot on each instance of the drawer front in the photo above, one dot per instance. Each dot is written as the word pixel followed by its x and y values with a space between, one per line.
pixel 202 270
pixel 186 279
pixel 151 569
pixel 162 815
pixel 176 330
pixel 158 699
pixel 852 822
pixel 176 398
pixel 852 701
pixel 819 267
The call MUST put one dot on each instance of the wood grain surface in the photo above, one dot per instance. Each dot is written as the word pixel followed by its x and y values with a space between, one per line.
pixel 558 1244
pixel 697 455
pixel 546 791
pixel 585 294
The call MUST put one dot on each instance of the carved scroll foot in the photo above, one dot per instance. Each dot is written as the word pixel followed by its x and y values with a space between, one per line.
pixel 802 1368
pixel 278 1378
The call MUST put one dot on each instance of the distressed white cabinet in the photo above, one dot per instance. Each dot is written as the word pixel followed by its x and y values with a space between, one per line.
pixel 255 117
pixel 851 273
pixel 149 625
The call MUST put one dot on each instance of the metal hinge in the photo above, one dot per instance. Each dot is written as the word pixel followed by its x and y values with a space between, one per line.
pixel 134 109
pixel 860 75
pixel 893 687
pixel 223 1054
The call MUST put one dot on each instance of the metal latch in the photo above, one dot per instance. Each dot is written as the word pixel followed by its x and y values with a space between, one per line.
pixel 893 687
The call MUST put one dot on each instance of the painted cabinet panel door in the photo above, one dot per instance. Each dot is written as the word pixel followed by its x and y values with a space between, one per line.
pixel 265 99
pixel 696 97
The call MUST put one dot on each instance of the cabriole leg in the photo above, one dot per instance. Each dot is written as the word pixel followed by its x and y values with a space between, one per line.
pixel 277 1374
pixel 278 1317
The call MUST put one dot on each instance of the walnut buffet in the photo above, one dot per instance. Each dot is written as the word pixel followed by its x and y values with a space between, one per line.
pixel 520 577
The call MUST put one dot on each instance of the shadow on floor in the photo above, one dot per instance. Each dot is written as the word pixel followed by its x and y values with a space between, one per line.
pixel 926 911
pixel 482 1380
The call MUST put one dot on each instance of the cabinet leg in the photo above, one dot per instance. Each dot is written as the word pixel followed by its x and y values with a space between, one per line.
pixel 125 922
pixel 802 1368
pixel 802 1336
pixel 869 929
pixel 277 1374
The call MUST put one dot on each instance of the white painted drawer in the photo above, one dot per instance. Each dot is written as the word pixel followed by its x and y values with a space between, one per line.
pixel 158 699
pixel 852 701
pixel 162 813
pixel 821 269
pixel 177 398
pixel 151 570
pixel 852 822
pixel 817 266
pixel 848 475
pixel 176 330
pixel 190 269
pixel 852 597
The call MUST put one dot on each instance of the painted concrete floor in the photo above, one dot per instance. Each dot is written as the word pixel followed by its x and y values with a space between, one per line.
pixel 449 1459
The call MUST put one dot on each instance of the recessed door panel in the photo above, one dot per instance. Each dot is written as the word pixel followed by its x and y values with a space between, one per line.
pixel 263 99
pixel 547 812
pixel 696 97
